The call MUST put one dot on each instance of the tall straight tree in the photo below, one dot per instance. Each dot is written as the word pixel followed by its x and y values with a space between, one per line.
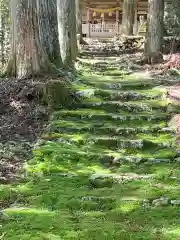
pixel 48 29
pixel 27 57
pixel 155 28
pixel 79 21
pixel 128 17
pixel 4 29
pixel 67 31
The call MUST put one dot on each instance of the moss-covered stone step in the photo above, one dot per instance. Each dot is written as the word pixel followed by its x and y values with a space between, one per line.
pixel 112 72
pixel 98 53
pixel 106 128
pixel 121 85
pixel 115 94
pixel 123 156
pixel 117 106
pixel 100 65
pixel 88 77
pixel 112 123
pixel 104 115
pixel 100 180
pixel 110 161
pixel 105 70
pixel 104 155
pixel 130 95
pixel 140 142
pixel 97 63
pixel 128 79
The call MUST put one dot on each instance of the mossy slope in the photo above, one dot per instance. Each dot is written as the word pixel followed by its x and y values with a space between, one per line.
pixel 59 200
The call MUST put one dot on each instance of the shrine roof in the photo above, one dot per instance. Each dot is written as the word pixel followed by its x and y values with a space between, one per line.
pixel 141 4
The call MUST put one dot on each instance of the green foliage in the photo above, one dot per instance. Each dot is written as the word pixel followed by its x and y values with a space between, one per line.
pixel 172 17
pixel 173 72
pixel 4 7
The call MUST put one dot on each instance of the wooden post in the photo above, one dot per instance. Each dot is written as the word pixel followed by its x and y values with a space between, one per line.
pixel 135 18
pixel 88 21
pixel 117 21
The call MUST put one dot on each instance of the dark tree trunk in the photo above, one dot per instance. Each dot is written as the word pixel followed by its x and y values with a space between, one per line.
pixel 27 57
pixel 67 31
pixel 128 17
pixel 2 37
pixel 155 28
pixel 48 29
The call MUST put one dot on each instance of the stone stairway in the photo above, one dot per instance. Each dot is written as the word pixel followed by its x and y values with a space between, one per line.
pixel 105 168
pixel 118 118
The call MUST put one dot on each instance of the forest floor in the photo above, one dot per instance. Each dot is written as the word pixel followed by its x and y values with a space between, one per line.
pixel 108 168
pixel 22 118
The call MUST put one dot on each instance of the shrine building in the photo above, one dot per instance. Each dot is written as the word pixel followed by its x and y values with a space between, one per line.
pixel 103 18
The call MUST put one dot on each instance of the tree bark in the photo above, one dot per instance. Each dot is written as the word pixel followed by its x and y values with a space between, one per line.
pixel 4 30
pixel 128 17
pixel 79 21
pixel 27 57
pixel 2 37
pixel 48 29
pixel 155 28
pixel 67 31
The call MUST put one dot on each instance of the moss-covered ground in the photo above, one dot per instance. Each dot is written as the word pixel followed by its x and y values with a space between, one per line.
pixel 118 129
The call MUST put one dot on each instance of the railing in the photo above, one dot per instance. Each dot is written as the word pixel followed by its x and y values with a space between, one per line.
pixel 110 27
pixel 105 30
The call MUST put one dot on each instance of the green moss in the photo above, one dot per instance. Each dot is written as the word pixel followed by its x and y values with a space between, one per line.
pixel 57 200
pixel 106 124
pixel 147 106
pixel 129 95
pixel 103 115
pixel 57 93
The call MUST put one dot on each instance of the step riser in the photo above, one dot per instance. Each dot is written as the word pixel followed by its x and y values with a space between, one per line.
pixel 122 86
pixel 106 72
pixel 117 144
pixel 106 157
pixel 113 143
pixel 120 107
pixel 122 119
pixel 98 53
pixel 110 161
pixel 110 74
pixel 117 132
pixel 119 96
pixel 128 97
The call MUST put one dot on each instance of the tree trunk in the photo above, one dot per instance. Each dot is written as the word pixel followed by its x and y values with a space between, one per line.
pixel 2 38
pixel 4 30
pixel 155 27
pixel 79 22
pixel 27 57
pixel 48 29
pixel 67 31
pixel 128 17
